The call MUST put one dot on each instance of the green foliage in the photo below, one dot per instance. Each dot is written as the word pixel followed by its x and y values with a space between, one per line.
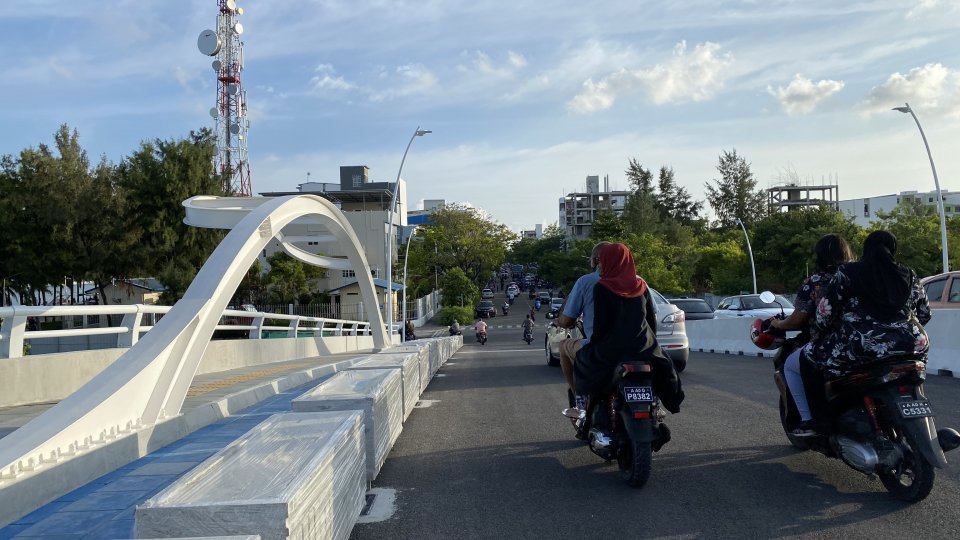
pixel 918 236
pixel 458 289
pixel 288 279
pixel 606 225
pixel 735 194
pixel 463 315
pixel 722 268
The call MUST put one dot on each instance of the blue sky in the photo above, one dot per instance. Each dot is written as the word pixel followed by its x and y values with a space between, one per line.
pixel 525 98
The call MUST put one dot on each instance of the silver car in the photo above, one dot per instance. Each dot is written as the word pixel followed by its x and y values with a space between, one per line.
pixel 671 334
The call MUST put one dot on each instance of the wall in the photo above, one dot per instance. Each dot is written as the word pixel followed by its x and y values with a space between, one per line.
pixel 731 336
pixel 51 377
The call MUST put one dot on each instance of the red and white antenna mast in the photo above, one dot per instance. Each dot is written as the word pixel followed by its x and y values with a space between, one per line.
pixel 231 110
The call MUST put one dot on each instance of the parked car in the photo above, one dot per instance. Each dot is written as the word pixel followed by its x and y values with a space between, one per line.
pixel 943 290
pixel 486 294
pixel 671 334
pixel 694 309
pixel 485 309
pixel 750 305
pixel 544 297
pixel 556 303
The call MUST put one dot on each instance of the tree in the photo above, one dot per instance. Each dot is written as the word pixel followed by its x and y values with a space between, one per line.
pixel 607 226
pixel 458 289
pixel 783 244
pixel 289 279
pixel 918 236
pixel 735 193
pixel 673 201
pixel 458 236
pixel 722 267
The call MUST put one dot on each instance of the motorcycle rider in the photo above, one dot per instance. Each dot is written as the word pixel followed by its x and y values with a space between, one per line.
pixel 831 251
pixel 480 327
pixel 527 327
pixel 455 328
pixel 624 327
pixel 579 303
pixel 410 331
pixel 506 307
pixel 871 308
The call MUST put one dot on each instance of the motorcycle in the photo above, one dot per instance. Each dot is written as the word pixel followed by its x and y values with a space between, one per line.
pixel 528 336
pixel 625 423
pixel 881 422
pixel 505 308
pixel 537 304
pixel 454 332
pixel 482 338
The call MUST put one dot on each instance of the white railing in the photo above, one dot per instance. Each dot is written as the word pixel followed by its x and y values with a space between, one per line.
pixel 14 332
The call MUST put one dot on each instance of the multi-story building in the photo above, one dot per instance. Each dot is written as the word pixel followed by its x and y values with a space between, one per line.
pixel 366 206
pixel 864 210
pixel 578 210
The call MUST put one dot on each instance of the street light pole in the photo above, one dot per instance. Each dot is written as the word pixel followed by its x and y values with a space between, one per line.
pixel 406 256
pixel 936 181
pixel 388 247
pixel 753 269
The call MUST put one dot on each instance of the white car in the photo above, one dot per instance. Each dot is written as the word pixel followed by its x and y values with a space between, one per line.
pixel 750 305
pixel 486 294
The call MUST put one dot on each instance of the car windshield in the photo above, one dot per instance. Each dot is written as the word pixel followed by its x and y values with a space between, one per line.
pixel 754 302
pixel 693 306
pixel 485 303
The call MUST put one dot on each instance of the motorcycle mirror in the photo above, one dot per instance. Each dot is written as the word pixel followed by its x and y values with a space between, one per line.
pixel 767 297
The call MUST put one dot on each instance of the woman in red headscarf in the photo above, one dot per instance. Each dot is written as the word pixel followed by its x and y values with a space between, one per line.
pixel 624 328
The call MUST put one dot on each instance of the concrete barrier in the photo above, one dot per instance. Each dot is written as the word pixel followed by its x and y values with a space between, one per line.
pixel 732 336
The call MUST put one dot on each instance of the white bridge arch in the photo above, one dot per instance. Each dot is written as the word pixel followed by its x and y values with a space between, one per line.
pixel 149 382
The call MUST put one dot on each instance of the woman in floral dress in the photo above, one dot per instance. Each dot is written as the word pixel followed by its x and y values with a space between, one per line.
pixel 873 308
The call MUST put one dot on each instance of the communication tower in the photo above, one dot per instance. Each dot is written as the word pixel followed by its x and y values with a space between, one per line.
pixel 231 111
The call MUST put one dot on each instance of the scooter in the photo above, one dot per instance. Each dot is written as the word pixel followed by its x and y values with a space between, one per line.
pixel 482 338
pixel 506 307
pixel 537 304
pixel 528 336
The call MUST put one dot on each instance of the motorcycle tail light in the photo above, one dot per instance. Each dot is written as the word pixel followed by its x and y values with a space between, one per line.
pixel 641 415
pixel 914 367
pixel 676 317
pixel 904 389
pixel 637 368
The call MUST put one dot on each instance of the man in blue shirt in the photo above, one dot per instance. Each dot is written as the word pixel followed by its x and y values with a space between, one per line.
pixel 579 303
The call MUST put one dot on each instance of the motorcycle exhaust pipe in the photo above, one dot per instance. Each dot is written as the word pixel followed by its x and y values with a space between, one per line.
pixel 948 438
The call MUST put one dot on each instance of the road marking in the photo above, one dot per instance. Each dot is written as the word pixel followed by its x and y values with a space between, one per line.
pixel 383 507
pixel 440 375
pixel 426 403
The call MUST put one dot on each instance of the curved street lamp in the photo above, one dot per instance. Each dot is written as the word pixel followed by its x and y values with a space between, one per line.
pixel 406 256
pixel 388 240
pixel 753 269
pixel 943 222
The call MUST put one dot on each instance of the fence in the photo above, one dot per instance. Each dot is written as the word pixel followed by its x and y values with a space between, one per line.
pixel 17 329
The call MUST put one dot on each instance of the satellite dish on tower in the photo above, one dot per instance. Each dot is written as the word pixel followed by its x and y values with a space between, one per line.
pixel 217 65
pixel 232 89
pixel 235 128
pixel 231 4
pixel 239 11
pixel 238 28
pixel 209 43
pixel 213 112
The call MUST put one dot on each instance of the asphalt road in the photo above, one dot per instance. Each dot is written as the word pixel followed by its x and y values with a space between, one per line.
pixel 491 457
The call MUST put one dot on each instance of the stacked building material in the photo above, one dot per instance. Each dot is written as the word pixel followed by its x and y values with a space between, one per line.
pixel 409 365
pixel 378 393
pixel 296 476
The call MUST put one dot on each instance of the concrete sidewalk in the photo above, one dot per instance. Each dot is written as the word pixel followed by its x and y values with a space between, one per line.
pixel 103 508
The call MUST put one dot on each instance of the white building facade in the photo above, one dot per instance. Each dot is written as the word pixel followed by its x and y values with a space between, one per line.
pixel 864 210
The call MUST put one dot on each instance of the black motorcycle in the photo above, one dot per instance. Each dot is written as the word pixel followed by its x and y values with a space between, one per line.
pixel 528 335
pixel 624 423
pixel 881 423
pixel 505 308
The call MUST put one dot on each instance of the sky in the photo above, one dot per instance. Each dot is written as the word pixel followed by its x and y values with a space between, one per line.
pixel 525 98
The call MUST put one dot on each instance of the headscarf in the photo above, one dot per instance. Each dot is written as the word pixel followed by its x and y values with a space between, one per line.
pixel 885 285
pixel 618 272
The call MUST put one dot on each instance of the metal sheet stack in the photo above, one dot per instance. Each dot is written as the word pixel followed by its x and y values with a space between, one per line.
pixel 423 352
pixel 408 363
pixel 378 393
pixel 297 476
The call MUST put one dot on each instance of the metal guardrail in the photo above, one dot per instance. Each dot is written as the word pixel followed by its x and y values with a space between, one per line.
pixel 14 333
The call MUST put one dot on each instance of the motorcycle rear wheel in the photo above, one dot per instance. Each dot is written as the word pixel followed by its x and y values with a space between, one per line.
pixel 913 480
pixel 635 460
pixel 800 443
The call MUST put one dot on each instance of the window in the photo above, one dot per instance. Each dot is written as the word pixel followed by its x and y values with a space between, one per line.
pixel 356 180
pixel 935 289
pixel 866 209
pixel 349 273
pixel 930 199
pixel 954 297
pixel 313 243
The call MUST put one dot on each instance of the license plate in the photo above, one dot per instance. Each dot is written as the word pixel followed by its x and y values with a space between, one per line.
pixel 915 409
pixel 638 394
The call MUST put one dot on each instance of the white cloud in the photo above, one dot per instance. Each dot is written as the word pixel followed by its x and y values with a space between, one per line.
pixel 482 65
pixel 327 79
pixel 802 95
pixel 413 79
pixel 696 76
pixel 933 88
pixel 924 7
